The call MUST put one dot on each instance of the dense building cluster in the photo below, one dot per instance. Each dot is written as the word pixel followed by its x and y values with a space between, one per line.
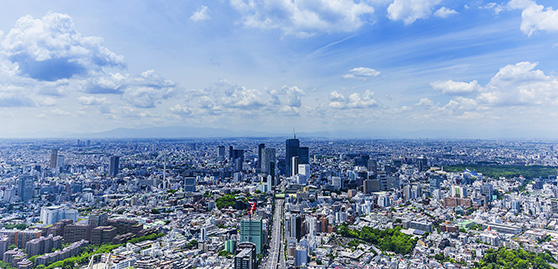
pixel 275 203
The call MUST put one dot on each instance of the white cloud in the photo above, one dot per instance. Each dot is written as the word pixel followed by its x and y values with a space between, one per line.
pixel 535 17
pixel 514 85
pixel 411 10
pixel 294 95
pixel 361 73
pixel 355 100
pixel 180 110
pixel 201 14
pixel 519 84
pixel 455 87
pixel 304 17
pixel 92 101
pixel 49 49
pixel 445 12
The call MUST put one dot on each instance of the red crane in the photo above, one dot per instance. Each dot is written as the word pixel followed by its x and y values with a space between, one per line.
pixel 252 205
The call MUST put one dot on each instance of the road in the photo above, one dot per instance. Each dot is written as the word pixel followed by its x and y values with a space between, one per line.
pixel 277 243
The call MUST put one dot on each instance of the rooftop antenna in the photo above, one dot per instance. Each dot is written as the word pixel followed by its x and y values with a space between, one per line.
pixel 294 133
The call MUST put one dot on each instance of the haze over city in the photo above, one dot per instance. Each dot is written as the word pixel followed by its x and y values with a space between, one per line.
pixel 427 68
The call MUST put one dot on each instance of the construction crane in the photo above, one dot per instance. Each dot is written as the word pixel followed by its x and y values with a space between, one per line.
pixel 252 205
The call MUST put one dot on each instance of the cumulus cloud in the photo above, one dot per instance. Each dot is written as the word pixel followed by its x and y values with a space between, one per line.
pixel 361 73
pixel 92 101
pixel 520 84
pixel 456 87
pixel 294 96
pixel 445 12
pixel 355 100
pixel 514 85
pixel 201 14
pixel 49 49
pixel 304 17
pixel 535 17
pixel 411 10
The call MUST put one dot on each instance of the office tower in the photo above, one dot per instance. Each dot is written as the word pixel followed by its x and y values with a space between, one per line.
pixel 53 158
pixel 25 187
pixel 291 150
pixel 60 163
pixel 261 148
pixel 221 153
pixel 294 165
pixel 435 183
pixel 251 230
pixel 303 155
pixel 238 159
pixel 422 163
pixel 88 143
pixel 268 158
pixel 113 166
pixel 231 152
pixel 189 184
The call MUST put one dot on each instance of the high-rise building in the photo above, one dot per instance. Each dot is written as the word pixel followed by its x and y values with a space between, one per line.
pixel 291 150
pixel 25 187
pixel 303 155
pixel 261 148
pixel 251 230
pixel 60 163
pixel 435 182
pixel 53 158
pixel 294 165
pixel 238 159
pixel 267 159
pixel 221 153
pixel 113 166
pixel 189 184
pixel 422 163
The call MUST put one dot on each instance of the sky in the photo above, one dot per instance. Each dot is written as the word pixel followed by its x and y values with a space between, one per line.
pixel 371 68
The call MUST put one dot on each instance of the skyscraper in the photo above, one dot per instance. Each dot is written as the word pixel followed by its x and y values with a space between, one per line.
pixel 221 153
pixel 261 148
pixel 113 166
pixel 291 150
pixel 238 159
pixel 268 158
pixel 25 187
pixel 53 158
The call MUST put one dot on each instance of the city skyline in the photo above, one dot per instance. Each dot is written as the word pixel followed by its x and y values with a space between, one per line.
pixel 367 68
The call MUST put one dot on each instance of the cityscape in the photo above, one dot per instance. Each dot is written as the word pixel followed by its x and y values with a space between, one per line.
pixel 279 134
pixel 238 203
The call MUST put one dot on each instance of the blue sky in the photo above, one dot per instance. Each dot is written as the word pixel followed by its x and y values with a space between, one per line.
pixel 375 68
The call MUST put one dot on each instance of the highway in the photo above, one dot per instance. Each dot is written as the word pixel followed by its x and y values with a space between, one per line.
pixel 277 243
